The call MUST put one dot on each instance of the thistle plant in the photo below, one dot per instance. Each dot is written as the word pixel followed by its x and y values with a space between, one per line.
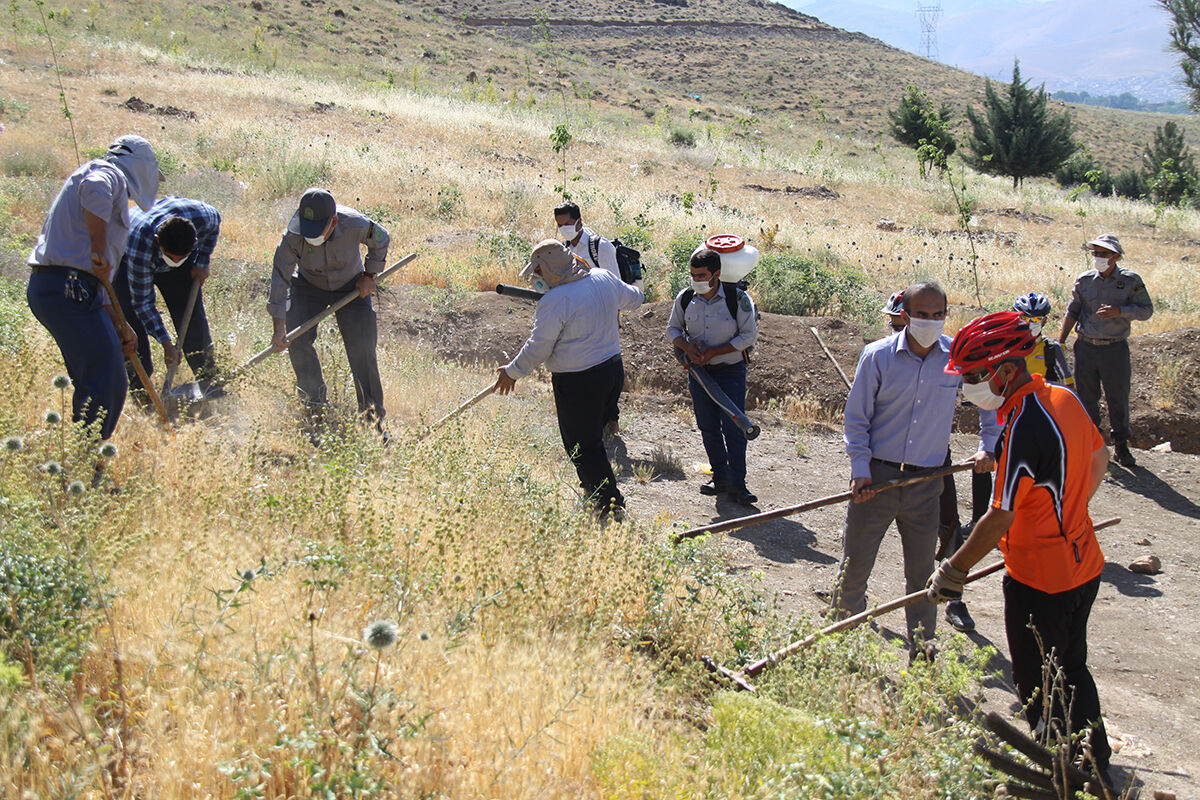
pixel 379 636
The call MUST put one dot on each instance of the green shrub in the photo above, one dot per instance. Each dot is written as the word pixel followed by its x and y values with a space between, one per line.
pixel 286 173
pixel 1130 184
pixel 681 137
pixel 508 248
pixel 787 283
pixel 47 605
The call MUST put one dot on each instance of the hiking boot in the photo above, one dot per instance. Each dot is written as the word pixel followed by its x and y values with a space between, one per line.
pixel 958 616
pixel 742 496
pixel 1123 456
pixel 713 488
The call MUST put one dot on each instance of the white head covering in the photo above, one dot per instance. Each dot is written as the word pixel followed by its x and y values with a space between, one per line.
pixel 134 156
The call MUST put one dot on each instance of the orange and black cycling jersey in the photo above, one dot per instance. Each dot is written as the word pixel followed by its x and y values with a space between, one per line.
pixel 1043 468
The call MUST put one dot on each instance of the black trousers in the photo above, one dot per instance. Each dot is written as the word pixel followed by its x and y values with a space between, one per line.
pixel 174 285
pixel 585 401
pixel 1105 367
pixel 1061 621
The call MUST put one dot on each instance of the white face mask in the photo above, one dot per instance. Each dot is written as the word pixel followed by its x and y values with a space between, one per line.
pixel 701 287
pixel 538 283
pixel 316 241
pixel 1101 263
pixel 567 232
pixel 925 332
pixel 981 395
pixel 1035 328
pixel 172 262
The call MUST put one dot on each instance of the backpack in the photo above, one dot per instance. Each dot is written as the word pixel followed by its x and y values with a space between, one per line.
pixel 733 293
pixel 629 261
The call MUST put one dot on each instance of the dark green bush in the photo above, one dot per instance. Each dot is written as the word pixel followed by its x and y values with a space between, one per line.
pixel 788 283
pixel 48 605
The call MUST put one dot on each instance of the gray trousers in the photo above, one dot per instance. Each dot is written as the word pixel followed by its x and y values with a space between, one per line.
pixel 915 512
pixel 1105 367
pixel 356 322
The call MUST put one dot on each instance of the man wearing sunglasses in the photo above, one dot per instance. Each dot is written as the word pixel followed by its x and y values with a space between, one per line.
pixel 1104 301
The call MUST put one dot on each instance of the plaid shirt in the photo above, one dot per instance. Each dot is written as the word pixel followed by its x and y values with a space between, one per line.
pixel 143 258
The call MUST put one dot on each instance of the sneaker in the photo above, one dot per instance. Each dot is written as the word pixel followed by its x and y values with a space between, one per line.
pixel 824 595
pixel 958 616
pixel 1123 456
pixel 713 488
pixel 743 496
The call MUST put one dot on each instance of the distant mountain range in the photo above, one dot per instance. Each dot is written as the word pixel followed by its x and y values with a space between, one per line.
pixel 1097 46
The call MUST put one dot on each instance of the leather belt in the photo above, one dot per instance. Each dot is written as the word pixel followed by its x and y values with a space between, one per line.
pixel 903 467
pixel 55 269
pixel 1099 342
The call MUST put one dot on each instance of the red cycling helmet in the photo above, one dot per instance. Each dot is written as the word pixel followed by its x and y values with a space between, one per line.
pixel 988 340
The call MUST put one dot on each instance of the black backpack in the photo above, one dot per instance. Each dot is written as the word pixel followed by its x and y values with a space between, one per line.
pixel 629 261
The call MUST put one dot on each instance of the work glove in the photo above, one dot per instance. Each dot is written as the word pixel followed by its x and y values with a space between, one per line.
pixel 946 583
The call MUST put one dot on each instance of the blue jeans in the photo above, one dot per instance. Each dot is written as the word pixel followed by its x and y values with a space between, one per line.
pixel 88 342
pixel 724 442
pixel 356 321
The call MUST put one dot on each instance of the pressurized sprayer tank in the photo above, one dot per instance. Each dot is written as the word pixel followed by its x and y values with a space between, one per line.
pixel 737 257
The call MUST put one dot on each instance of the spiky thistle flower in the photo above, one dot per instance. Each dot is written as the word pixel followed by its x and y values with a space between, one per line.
pixel 76 488
pixel 108 450
pixel 248 575
pixel 52 468
pixel 13 443
pixel 380 634
pixel 61 381
pixel 53 417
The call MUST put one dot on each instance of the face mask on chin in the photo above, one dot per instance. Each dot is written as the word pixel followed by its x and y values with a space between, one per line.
pixel 925 332
pixel 316 241
pixel 170 262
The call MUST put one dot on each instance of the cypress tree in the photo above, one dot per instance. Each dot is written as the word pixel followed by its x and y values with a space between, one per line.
pixel 1185 39
pixel 916 124
pixel 1019 137
pixel 1168 166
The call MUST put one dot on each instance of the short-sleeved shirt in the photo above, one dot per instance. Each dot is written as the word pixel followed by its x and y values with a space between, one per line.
pixel 1120 288
pixel 330 265
pixel 99 187
pixel 708 322
pixel 1043 475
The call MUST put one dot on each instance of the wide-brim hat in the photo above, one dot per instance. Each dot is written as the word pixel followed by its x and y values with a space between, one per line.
pixel 317 206
pixel 1108 241
pixel 559 265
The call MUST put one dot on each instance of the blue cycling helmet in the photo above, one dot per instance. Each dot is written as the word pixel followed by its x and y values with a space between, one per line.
pixel 1033 305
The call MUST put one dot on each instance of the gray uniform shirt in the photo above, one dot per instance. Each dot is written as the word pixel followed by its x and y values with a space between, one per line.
pixel 98 187
pixel 331 265
pixel 1122 289
pixel 708 322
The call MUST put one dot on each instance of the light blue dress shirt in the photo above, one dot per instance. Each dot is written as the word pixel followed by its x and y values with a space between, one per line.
pixel 575 327
pixel 901 407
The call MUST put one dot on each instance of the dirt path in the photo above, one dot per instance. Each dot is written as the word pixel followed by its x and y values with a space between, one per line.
pixel 1145 630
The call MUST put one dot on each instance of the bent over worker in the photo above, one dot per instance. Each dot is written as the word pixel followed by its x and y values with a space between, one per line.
pixel 1051 460
pixel 169 247
pixel 714 324
pixel 575 336
pixel 82 240
pixel 317 262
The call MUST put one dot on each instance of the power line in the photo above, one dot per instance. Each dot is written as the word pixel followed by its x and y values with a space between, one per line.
pixel 928 16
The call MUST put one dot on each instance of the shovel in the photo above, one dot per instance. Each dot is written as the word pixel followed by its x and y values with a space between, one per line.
pixel 187 395
pixel 147 384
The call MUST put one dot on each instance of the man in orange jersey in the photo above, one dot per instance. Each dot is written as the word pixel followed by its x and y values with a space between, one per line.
pixel 1050 460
